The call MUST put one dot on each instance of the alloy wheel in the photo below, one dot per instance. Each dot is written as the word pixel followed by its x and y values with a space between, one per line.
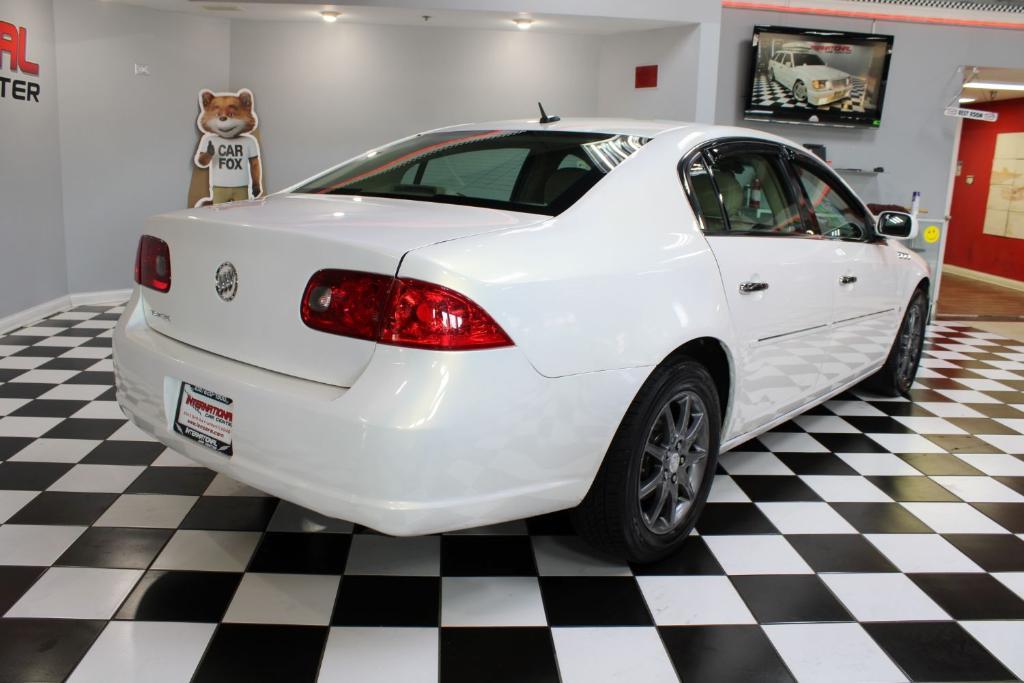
pixel 673 464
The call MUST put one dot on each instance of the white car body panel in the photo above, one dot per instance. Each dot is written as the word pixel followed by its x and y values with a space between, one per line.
pixel 410 441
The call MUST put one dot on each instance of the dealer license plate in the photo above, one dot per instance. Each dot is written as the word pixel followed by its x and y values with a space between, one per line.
pixel 205 417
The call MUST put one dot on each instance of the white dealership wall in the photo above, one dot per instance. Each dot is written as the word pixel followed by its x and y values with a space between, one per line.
pixel 32 259
pixel 915 141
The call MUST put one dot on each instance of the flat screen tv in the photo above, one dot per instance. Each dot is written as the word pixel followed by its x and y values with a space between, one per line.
pixel 818 77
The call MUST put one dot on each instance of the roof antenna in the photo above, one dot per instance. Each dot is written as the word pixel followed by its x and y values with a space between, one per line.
pixel 544 118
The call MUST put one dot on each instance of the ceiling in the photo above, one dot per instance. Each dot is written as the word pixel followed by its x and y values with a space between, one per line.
pixel 985 74
pixel 402 16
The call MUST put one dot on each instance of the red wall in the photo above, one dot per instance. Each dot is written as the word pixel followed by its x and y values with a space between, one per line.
pixel 967 246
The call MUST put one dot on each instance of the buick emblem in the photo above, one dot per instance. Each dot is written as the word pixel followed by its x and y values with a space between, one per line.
pixel 226 281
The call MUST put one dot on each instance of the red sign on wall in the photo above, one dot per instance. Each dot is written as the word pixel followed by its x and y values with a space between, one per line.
pixel 14 41
pixel 646 76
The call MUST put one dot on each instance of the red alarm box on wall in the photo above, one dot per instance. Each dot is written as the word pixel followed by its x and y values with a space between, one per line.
pixel 646 76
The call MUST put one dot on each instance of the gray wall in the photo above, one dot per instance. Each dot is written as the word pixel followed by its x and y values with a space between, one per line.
pixel 915 141
pixel 32 263
pixel 127 141
pixel 352 87
pixel 675 51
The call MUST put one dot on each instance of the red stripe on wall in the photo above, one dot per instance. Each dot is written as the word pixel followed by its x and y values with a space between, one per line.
pixel 880 16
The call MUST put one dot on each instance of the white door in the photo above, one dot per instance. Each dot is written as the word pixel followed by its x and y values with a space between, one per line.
pixel 776 272
pixel 866 311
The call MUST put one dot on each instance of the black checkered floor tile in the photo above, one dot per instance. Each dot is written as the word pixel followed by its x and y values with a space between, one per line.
pixel 769 93
pixel 870 539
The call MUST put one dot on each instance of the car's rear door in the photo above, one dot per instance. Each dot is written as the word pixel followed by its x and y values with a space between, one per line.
pixel 776 271
pixel 863 277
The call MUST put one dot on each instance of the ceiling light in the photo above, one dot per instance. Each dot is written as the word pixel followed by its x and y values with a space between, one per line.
pixel 966 100
pixel 329 16
pixel 523 24
pixel 993 85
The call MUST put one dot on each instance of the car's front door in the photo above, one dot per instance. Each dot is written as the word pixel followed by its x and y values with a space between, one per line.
pixel 776 272
pixel 866 311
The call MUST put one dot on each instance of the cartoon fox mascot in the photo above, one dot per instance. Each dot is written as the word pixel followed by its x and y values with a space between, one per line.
pixel 227 147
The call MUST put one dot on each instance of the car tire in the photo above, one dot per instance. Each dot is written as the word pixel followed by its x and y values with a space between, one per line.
pixel 800 91
pixel 897 375
pixel 618 514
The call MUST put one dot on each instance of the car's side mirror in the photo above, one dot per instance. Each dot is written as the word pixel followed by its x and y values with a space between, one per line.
pixel 897 224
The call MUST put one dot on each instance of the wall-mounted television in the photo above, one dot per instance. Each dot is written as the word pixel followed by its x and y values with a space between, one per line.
pixel 812 76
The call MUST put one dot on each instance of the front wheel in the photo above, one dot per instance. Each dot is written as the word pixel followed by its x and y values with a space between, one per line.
pixel 657 474
pixel 800 91
pixel 897 375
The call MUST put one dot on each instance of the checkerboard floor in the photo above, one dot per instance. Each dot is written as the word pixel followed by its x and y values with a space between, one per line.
pixel 769 93
pixel 870 539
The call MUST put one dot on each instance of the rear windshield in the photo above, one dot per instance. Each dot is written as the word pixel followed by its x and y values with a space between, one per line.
pixel 541 172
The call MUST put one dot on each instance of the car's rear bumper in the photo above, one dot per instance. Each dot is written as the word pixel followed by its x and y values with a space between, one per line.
pixel 422 442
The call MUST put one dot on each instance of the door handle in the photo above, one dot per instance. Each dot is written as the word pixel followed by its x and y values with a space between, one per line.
pixel 751 287
pixel 847 279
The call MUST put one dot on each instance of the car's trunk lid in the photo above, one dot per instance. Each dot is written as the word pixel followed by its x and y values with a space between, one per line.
pixel 274 246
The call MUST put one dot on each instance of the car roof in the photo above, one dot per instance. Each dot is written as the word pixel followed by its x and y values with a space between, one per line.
pixel 648 128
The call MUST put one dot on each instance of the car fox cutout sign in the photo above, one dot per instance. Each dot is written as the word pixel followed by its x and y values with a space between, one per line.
pixel 227 158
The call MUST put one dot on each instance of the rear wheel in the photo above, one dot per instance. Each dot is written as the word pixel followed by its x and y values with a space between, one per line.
pixel 897 375
pixel 657 473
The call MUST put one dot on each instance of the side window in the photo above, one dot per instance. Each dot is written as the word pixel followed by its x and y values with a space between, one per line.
pixel 837 217
pixel 574 162
pixel 755 194
pixel 481 174
pixel 705 196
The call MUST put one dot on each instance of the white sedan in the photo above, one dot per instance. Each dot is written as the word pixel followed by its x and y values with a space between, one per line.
pixel 492 321
pixel 808 77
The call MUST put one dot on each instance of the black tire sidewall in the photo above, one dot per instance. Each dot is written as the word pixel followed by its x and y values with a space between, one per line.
pixel 917 300
pixel 643 544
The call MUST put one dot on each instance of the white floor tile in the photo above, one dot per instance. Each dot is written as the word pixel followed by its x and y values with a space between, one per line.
pixel 825 424
pixel 46 376
pixel 979 489
pixel 878 464
pixel 101 410
pixel 1016 424
pixel 27 426
pixel 1012 580
pixel 55 450
pixel 76 593
pixel 854 409
pixel 612 655
pixel 949 409
pixel 284 599
pixel 994 464
pixel 36 545
pixel 691 600
pixel 9 405
pixel 216 551
pixel 920 553
pixel 791 442
pixel 929 425
pixel 368 655
pixel 906 443
pixel 390 556
pixel 64 342
pixel 86 352
pixel 725 490
pixel 76 392
pixel 22 362
pixel 845 489
pixel 12 501
pixel 953 518
pixel 98 478
pixel 571 556
pixel 756 554
pixel 983 384
pixel 1003 639
pixel 967 396
pixel 130 432
pixel 1010 443
pixel 832 653
pixel 491 601
pixel 806 518
pixel 752 462
pixel 148 511
pixel 155 652
pixel 169 458
pixel 883 597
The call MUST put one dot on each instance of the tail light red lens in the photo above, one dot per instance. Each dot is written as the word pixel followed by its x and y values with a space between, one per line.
pixel 153 264
pixel 397 311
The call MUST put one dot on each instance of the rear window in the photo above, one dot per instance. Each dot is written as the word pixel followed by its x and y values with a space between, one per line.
pixel 541 172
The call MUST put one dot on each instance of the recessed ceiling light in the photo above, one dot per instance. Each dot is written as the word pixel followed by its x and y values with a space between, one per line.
pixel 523 24
pixel 966 100
pixel 993 85
pixel 329 16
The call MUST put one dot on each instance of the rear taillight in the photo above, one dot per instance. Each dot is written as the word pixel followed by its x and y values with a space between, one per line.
pixel 153 264
pixel 397 311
